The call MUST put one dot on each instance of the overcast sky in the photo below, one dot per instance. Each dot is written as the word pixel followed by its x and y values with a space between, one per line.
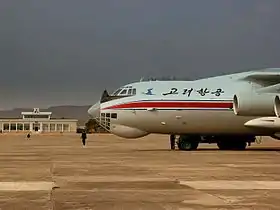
pixel 56 52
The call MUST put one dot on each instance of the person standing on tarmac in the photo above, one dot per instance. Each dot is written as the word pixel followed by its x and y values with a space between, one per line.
pixel 84 137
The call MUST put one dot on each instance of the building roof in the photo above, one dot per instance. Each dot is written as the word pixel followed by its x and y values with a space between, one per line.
pixel 36 111
pixel 32 113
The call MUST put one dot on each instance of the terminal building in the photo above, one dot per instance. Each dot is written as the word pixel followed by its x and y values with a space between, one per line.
pixel 36 121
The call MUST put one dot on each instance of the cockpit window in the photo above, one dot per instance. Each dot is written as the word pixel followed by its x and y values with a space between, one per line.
pixel 134 91
pixel 117 92
pixel 125 91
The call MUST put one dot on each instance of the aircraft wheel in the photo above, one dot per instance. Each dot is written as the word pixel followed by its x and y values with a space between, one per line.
pixel 241 145
pixel 232 145
pixel 224 145
pixel 187 143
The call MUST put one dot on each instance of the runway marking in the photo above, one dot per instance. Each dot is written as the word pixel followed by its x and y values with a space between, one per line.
pixel 205 199
pixel 194 169
pixel 26 186
pixel 111 178
pixel 248 165
pixel 232 185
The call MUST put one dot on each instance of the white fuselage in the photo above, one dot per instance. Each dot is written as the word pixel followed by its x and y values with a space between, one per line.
pixel 182 121
pixel 179 113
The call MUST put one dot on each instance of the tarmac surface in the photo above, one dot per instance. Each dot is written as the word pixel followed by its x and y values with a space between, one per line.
pixel 56 172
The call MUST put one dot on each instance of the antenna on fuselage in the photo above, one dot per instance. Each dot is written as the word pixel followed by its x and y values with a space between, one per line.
pixel 141 79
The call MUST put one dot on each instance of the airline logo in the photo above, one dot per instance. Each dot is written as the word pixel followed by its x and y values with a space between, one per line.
pixel 149 92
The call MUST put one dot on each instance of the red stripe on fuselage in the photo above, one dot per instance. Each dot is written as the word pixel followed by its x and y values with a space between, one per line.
pixel 172 104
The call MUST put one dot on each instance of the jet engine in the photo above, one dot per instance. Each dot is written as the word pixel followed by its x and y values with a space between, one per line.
pixel 277 106
pixel 254 104
pixel 127 132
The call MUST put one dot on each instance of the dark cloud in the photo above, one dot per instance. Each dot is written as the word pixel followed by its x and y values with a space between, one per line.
pixel 68 51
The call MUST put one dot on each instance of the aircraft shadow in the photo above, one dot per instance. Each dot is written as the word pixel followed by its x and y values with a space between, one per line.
pixel 275 149
pixel 267 149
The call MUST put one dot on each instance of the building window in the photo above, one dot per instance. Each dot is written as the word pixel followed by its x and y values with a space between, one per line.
pixel 59 127
pixel 114 115
pixel 6 126
pixel 13 126
pixel 52 127
pixel 36 116
pixel 65 127
pixel 19 126
pixel 45 127
pixel 26 127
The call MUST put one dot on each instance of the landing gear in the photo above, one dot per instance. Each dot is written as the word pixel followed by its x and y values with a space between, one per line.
pixel 234 142
pixel 188 142
pixel 172 141
pixel 224 142
pixel 232 145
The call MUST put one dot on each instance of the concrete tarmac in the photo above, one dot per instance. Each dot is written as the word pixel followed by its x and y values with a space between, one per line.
pixel 56 172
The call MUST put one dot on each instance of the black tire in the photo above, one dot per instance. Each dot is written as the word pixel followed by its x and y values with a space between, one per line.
pixel 194 145
pixel 232 145
pixel 187 143
pixel 241 145
pixel 223 145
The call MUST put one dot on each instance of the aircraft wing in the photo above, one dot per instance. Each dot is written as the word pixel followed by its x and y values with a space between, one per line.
pixel 270 81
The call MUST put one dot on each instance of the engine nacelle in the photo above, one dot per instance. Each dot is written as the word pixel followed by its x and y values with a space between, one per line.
pixel 277 106
pixel 254 104
pixel 127 132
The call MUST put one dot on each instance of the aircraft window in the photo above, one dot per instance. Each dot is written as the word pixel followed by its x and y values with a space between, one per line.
pixel 123 92
pixel 134 91
pixel 117 91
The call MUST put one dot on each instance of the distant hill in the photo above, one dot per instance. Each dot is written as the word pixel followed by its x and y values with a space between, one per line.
pixel 67 111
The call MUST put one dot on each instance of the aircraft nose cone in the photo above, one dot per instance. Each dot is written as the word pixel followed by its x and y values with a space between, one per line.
pixel 94 111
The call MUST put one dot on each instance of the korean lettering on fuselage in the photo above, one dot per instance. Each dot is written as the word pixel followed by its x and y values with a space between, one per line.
pixel 190 91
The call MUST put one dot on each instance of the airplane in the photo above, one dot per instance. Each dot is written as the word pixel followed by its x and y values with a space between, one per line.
pixel 230 110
